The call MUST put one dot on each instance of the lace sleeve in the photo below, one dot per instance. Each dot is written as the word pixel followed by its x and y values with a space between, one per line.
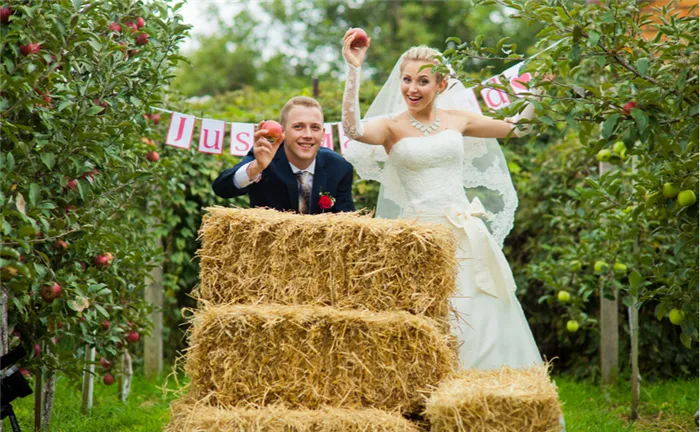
pixel 351 104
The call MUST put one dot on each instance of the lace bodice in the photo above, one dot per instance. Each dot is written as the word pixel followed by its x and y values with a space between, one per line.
pixel 430 171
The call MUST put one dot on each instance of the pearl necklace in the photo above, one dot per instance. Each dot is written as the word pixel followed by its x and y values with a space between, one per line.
pixel 426 129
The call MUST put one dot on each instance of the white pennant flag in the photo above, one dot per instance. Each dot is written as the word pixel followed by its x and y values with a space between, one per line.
pixel 211 136
pixel 344 139
pixel 327 136
pixel 242 138
pixel 180 130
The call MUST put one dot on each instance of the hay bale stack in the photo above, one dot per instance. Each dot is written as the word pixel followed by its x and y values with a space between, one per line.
pixel 310 356
pixel 251 256
pixel 189 416
pixel 504 400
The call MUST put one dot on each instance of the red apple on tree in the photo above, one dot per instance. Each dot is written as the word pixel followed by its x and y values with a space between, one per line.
pixel 153 156
pixel 140 22
pixel 30 48
pixel 115 27
pixel 49 293
pixel 155 118
pixel 72 184
pixel 106 364
pixel 131 25
pixel 361 39
pixel 25 372
pixel 5 13
pixel 106 325
pixel 60 245
pixel 133 337
pixel 142 39
pixel 108 379
pixel 103 261
pixel 629 106
pixel 37 350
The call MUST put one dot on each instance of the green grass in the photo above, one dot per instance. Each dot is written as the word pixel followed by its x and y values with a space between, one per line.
pixel 665 406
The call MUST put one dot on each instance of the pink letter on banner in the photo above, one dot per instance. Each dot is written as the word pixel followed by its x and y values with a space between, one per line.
pixel 344 139
pixel 180 130
pixel 495 99
pixel 516 79
pixel 327 136
pixel 211 136
pixel 241 138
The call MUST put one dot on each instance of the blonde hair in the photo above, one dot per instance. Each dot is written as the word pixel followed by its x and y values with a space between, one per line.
pixel 423 53
pixel 298 101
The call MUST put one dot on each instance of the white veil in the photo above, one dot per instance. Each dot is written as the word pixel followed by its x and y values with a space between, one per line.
pixel 485 172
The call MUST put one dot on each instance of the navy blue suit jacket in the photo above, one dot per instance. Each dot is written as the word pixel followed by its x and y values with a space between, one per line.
pixel 278 187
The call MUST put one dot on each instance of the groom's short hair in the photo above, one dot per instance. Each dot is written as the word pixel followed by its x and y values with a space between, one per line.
pixel 298 101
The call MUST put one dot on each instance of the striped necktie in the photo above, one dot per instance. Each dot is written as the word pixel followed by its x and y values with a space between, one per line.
pixel 304 180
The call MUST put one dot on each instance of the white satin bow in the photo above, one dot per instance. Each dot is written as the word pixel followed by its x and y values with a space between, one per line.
pixel 490 267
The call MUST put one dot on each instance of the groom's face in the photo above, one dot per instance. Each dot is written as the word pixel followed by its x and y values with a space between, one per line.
pixel 303 134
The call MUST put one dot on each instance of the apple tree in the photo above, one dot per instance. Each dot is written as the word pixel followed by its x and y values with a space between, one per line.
pixel 75 81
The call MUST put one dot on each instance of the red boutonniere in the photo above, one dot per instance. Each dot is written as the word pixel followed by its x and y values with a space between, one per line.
pixel 326 201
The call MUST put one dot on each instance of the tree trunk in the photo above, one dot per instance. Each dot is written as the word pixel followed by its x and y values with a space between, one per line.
pixel 153 343
pixel 88 379
pixel 127 372
pixel 38 405
pixel 48 398
pixel 4 337
pixel 609 338
pixel 634 358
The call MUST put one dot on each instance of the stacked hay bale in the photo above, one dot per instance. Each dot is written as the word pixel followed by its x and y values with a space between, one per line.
pixel 505 400
pixel 323 323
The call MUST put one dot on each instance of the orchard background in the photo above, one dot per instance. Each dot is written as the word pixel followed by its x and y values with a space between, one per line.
pixel 100 218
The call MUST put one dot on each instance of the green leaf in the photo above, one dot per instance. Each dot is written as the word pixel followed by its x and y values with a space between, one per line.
pixel 609 125
pixel 48 159
pixel 635 279
pixel 34 194
pixel 643 65
pixel 641 118
pixel 593 38
pixel 26 231
pixel 101 310
pixel 64 105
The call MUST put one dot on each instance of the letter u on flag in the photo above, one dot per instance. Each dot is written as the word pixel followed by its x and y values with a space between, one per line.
pixel 211 136
pixel 181 130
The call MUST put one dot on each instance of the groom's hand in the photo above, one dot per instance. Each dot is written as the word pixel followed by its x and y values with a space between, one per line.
pixel 263 150
pixel 354 56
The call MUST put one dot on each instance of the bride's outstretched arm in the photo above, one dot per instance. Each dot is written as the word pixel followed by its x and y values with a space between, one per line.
pixel 486 127
pixel 374 132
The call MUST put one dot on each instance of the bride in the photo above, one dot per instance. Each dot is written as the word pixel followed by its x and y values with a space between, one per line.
pixel 437 163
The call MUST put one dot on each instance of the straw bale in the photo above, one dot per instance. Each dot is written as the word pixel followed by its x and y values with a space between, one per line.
pixel 308 356
pixel 346 260
pixel 189 416
pixel 504 400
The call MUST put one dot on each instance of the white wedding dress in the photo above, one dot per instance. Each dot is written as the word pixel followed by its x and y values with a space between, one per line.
pixel 488 320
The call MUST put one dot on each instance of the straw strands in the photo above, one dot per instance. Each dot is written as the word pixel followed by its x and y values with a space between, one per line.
pixel 345 260
pixel 189 416
pixel 504 400
pixel 310 356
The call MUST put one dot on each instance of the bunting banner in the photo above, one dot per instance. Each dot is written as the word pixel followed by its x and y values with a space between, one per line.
pixel 212 132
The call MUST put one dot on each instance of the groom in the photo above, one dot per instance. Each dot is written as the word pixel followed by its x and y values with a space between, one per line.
pixel 292 172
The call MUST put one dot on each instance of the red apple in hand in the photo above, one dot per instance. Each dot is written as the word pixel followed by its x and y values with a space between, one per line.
pixel 142 39
pixel 140 22
pixel 133 337
pixel 629 106
pixel 153 156
pixel 49 293
pixel 361 38
pixel 5 13
pixel 274 130
pixel 108 379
